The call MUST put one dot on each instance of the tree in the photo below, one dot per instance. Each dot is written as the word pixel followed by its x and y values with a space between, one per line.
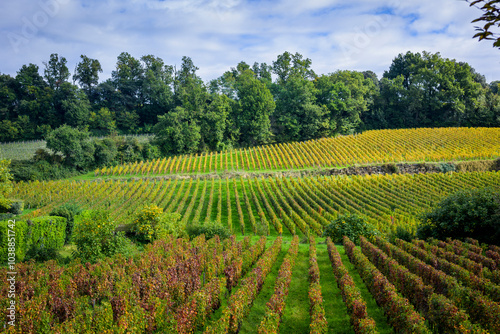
pixel 56 72
pixel 297 116
pixel 157 93
pixel 491 17
pixel 467 213
pixel 87 73
pixel 254 106
pixel 128 79
pixel 73 144
pixel 177 133
pixel 103 120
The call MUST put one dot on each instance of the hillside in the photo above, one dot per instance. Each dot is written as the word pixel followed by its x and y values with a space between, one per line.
pixel 369 147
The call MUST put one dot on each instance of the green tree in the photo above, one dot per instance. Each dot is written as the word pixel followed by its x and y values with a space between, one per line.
pixel 157 93
pixel 177 133
pixel 468 213
pixel 56 72
pixel 127 79
pixel 103 120
pixel 251 114
pixel 87 74
pixel 73 145
pixel 75 106
pixel 214 123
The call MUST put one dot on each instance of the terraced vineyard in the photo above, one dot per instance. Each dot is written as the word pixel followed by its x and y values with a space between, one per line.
pixel 245 286
pixel 269 206
pixel 370 147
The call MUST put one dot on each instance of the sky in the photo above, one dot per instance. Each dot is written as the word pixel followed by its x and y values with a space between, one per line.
pixel 218 34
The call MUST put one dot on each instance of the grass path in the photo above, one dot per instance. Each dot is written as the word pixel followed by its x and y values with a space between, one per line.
pixel 296 317
pixel 253 319
pixel 335 309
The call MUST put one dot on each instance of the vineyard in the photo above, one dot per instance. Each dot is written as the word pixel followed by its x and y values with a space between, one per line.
pixel 370 147
pixel 259 206
pixel 250 285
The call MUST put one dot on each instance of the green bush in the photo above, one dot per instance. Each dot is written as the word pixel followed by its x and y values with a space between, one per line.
pixel 351 226
pixel 68 211
pixel 5 205
pixel 17 207
pixel 467 213
pixel 20 228
pixel 403 234
pixel 40 238
pixel 45 237
pixel 391 168
pixel 152 224
pixel 210 230
pixel 95 237
pixel 445 167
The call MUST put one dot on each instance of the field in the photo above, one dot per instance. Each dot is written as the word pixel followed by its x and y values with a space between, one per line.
pixel 26 149
pixel 262 287
pixel 370 147
pixel 276 273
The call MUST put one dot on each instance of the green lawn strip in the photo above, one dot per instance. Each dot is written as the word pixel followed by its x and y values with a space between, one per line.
pixel 296 318
pixel 374 311
pixel 252 321
pixel 335 309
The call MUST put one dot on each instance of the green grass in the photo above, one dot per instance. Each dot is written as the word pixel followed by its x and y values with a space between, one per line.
pixel 254 318
pixel 335 309
pixel 296 318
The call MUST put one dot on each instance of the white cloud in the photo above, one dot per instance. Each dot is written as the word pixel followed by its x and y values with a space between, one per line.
pixel 218 34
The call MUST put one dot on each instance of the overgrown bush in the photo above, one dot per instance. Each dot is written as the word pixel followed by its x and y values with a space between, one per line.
pixel 391 168
pixel 467 213
pixel 402 233
pixel 95 237
pixel 17 207
pixel 152 224
pixel 351 226
pixel 209 229
pixel 45 237
pixel 68 211
pixel 445 167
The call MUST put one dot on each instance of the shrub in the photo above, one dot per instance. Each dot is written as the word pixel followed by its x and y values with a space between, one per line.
pixel 467 213
pixel 5 205
pixel 391 168
pixel 95 237
pixel 20 229
pixel 17 207
pixel 351 226
pixel 45 237
pixel 402 233
pixel 68 211
pixel 210 230
pixel 152 224
pixel 445 167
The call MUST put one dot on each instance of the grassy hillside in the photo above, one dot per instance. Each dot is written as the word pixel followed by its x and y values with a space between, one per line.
pixel 370 147
pixel 263 206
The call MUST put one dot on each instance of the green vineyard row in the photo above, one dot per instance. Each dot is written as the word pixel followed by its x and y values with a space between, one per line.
pixel 271 206
pixel 370 147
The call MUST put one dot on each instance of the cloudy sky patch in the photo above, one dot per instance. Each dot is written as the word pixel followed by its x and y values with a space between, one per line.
pixel 218 34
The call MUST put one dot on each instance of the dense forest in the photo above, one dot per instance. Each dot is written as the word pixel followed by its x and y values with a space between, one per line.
pixel 245 106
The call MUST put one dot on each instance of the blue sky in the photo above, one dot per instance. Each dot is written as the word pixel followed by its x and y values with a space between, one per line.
pixel 218 34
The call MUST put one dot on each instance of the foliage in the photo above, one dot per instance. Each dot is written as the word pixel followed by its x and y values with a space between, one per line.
pixel 95 237
pixel 152 224
pixel 68 211
pixel 352 226
pixel 467 213
pixel 5 186
pixel 46 237
pixel 209 229
pixel 73 144
pixel 491 19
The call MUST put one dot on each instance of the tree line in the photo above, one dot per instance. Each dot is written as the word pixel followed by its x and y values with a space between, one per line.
pixel 245 106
